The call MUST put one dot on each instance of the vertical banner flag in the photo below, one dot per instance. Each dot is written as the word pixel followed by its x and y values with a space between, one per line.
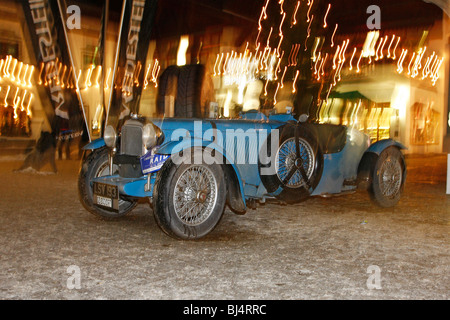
pixel 55 71
pixel 134 43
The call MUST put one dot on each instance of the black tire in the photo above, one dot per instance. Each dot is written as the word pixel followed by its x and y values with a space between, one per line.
pixel 388 178
pixel 96 165
pixel 167 86
pixel 286 179
pixel 188 103
pixel 170 191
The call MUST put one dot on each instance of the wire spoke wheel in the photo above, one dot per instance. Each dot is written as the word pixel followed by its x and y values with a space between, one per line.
pixel 189 199
pixel 195 195
pixel 390 177
pixel 288 164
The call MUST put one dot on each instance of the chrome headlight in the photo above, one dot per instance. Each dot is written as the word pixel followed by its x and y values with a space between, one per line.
pixel 149 137
pixel 110 136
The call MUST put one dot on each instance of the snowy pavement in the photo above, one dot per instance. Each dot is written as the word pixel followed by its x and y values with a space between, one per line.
pixel 334 248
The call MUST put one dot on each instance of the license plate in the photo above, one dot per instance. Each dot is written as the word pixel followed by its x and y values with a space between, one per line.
pixel 106 196
pixel 152 162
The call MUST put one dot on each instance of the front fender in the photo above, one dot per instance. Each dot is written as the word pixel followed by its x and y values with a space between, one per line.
pixel 381 145
pixel 174 147
pixel 96 144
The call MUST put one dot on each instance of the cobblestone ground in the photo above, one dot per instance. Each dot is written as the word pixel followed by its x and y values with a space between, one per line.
pixel 330 248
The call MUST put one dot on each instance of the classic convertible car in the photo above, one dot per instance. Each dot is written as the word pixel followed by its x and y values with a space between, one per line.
pixel 190 169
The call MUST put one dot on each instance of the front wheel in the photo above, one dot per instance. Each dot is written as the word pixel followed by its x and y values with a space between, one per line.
pixel 189 199
pixel 96 165
pixel 388 178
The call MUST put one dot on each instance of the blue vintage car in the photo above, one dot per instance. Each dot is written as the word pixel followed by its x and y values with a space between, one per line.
pixel 191 169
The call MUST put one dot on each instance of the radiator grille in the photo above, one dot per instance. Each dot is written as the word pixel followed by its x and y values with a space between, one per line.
pixel 131 140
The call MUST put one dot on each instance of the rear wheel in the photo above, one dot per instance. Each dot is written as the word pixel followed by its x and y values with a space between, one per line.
pixel 189 199
pixel 389 177
pixel 96 165
pixel 297 164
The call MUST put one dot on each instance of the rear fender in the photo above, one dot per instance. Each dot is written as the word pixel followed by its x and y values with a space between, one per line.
pixel 369 159
pixel 381 145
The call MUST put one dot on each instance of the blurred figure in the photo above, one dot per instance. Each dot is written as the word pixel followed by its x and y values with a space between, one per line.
pixel 43 153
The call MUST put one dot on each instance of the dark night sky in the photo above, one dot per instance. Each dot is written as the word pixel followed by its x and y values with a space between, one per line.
pixel 175 17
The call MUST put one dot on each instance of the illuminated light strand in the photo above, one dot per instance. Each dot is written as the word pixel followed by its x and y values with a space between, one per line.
pixel 13 69
pixel 390 45
pixel 282 78
pixel 342 59
pixel 410 62
pixel 358 70
pixel 97 79
pixel 382 47
pixel 29 105
pixel 377 57
pixel 401 60
pixel 317 62
pixel 295 81
pixel 22 108
pixel 332 37
pixel 19 71
pixel 328 93
pixel 225 63
pixel 310 4
pixel 309 31
pixel 435 73
pixel 62 77
pixel 70 79
pixel 265 88
pixel 294 16
pixel 281 3
pixel 275 95
pixel 87 82
pixel 146 76
pixel 278 68
pixel 351 59
pixel 2 62
pixel 30 76
pixel 137 72
pixel 215 65
pixel 418 63
pixel 77 85
pixel 281 23
pixel 326 15
pixel 335 56
pixel 290 55
pixel 16 101
pixel 281 32
pixel 395 48
pixel 294 57
pixel 7 65
pixel 322 66
pixel 220 62
pixel 155 72
pixel 279 45
pixel 57 76
pixel 426 68
pixel 6 97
